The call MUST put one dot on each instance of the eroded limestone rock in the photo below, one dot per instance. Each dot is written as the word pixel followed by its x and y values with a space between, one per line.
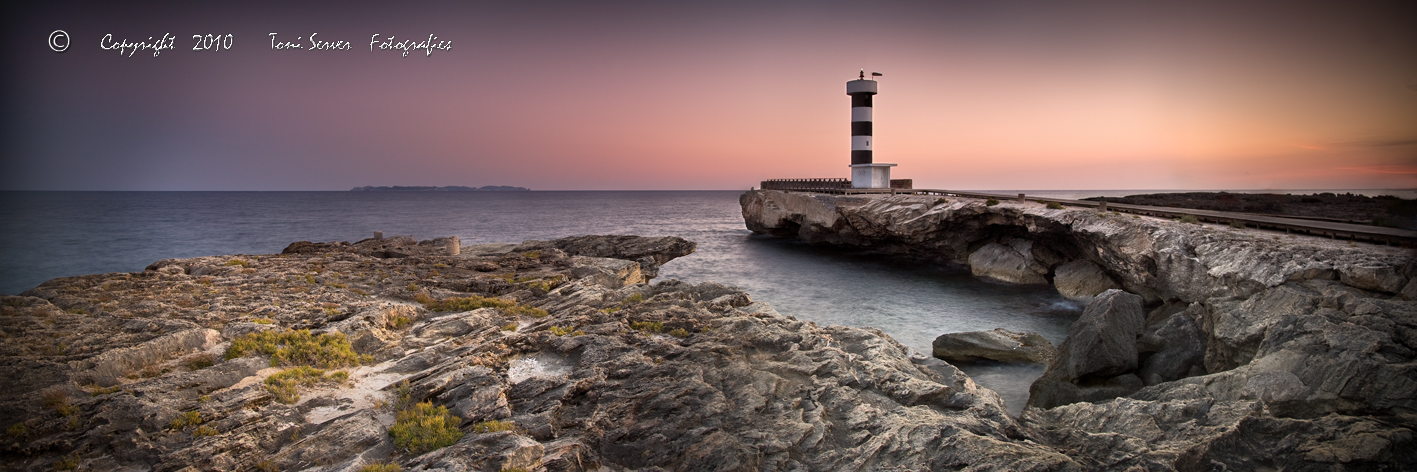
pixel 1082 280
pixel 1011 262
pixel 996 345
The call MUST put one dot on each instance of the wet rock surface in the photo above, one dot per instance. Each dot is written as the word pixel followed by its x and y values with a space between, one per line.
pixel 1225 348
pixel 533 357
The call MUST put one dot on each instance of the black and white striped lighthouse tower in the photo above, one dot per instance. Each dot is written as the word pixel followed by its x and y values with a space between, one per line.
pixel 865 172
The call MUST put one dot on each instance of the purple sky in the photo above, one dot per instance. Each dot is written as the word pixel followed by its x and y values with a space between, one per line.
pixel 670 95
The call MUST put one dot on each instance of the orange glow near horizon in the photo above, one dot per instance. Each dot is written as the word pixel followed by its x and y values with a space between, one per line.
pixel 1098 95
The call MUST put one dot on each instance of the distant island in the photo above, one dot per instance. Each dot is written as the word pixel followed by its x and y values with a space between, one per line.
pixel 453 188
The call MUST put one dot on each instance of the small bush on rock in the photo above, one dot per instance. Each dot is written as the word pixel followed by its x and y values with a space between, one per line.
pixel 69 462
pixel 991 201
pixel 298 348
pixel 425 428
pixel 463 303
pixel 493 426
pixel 285 385
pixel 1190 219
pixel 564 330
pixel 526 310
pixel 201 361
pixel 1054 206
pixel 380 466
pixel 679 333
pixel 190 418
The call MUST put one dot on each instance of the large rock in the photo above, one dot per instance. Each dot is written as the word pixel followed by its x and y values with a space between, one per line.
pixel 1103 341
pixel 996 345
pixel 650 252
pixel 105 369
pixel 1082 280
pixel 1096 361
pixel 1011 262
pixel 1161 260
pixel 1379 277
pixel 1174 346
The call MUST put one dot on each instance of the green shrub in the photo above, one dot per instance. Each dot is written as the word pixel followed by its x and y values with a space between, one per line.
pixel 1190 219
pixel 468 303
pixel 205 430
pixel 648 326
pixel 539 283
pixel 16 430
pixel 1237 224
pixel 285 385
pixel 510 326
pixel 519 310
pixel 201 361
pixel 69 462
pixel 264 321
pixel 403 394
pixel 57 400
pixel 564 330
pixel 190 418
pixel 991 201
pixel 679 333
pixel 298 347
pixel 380 466
pixel 493 426
pixel 1054 206
pixel 399 321
pixel 237 262
pixel 425 428
pixel 532 254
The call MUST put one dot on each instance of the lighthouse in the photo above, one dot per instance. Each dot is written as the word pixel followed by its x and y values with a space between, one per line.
pixel 865 172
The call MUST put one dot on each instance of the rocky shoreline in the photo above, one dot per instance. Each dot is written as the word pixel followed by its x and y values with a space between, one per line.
pixel 553 355
pixel 562 356
pixel 1201 347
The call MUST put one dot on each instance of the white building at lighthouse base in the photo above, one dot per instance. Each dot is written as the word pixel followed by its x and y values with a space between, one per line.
pixel 874 175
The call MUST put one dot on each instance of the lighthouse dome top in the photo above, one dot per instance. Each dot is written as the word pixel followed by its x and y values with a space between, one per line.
pixel 861 86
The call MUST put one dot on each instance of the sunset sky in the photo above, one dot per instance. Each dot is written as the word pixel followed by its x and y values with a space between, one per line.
pixel 680 95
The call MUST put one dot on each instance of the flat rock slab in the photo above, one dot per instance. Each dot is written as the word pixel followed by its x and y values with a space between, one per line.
pixel 996 345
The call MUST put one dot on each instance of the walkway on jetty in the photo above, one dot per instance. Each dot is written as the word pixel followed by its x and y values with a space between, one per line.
pixel 1335 230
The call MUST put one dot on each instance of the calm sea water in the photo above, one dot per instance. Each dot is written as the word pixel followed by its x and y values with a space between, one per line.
pixel 55 234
